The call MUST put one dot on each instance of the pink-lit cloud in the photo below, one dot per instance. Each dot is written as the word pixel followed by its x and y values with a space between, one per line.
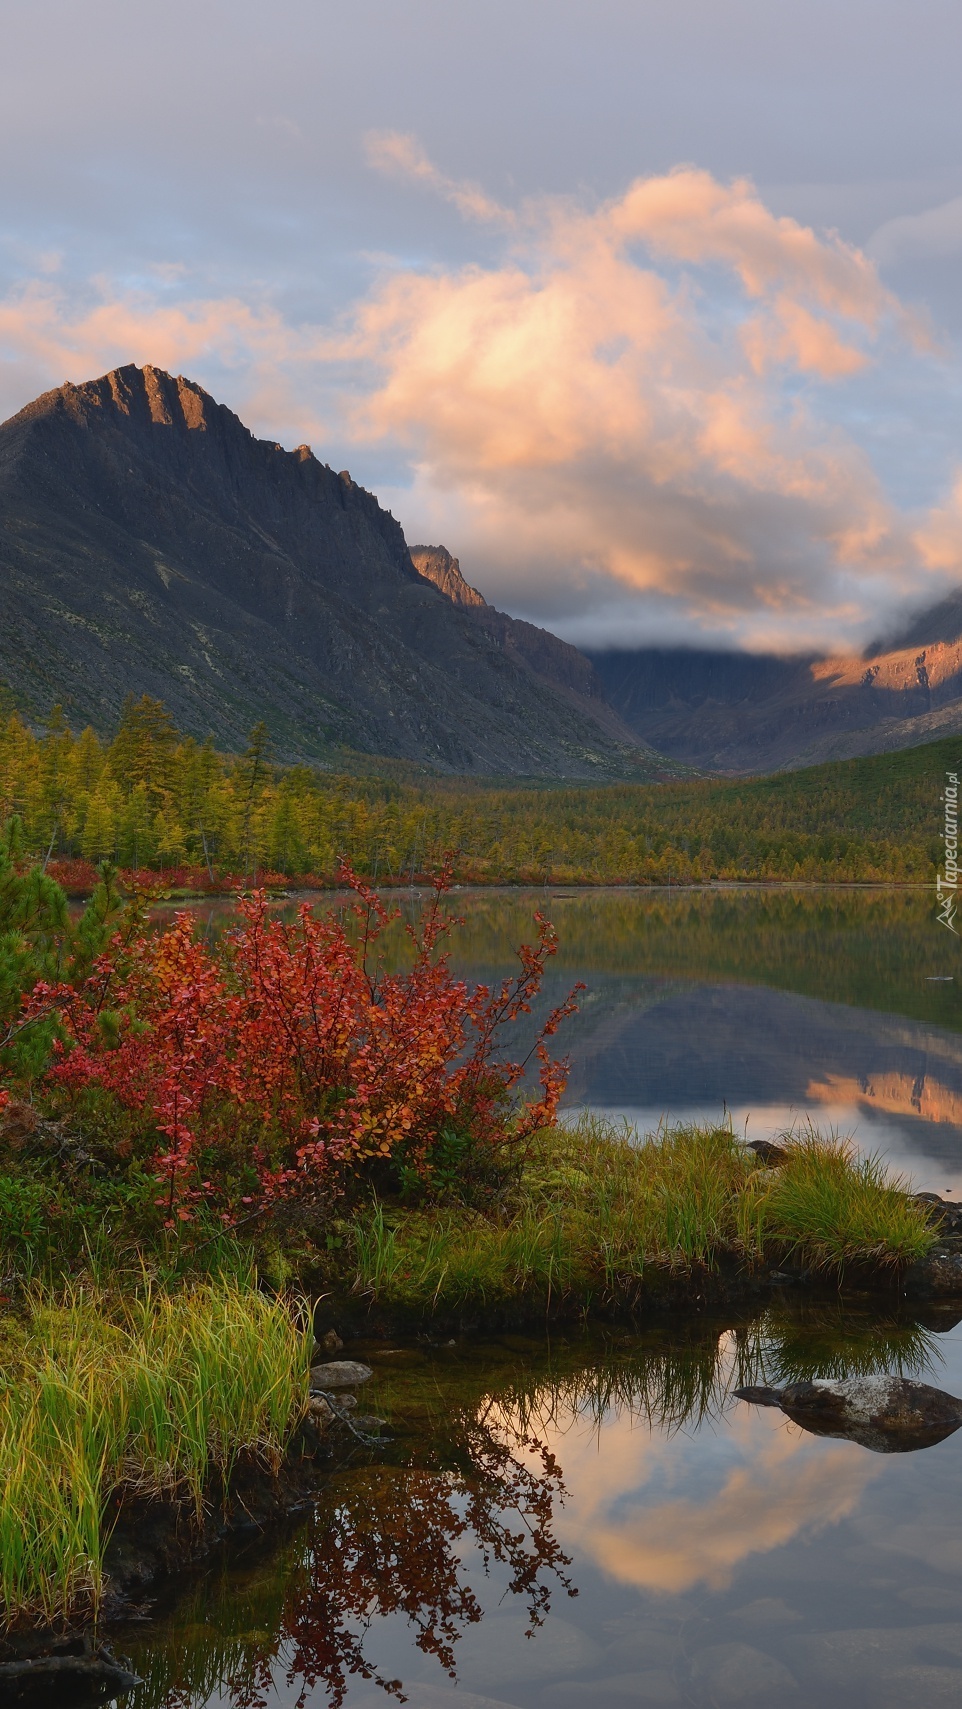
pixel 49 338
pixel 761 1484
pixel 621 423
pixel 400 155
pixel 611 422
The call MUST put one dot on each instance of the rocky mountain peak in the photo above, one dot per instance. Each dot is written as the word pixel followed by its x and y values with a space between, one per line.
pixel 134 396
pixel 436 564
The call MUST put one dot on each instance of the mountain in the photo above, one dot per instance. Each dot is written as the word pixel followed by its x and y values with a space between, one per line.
pixel 739 713
pixel 150 544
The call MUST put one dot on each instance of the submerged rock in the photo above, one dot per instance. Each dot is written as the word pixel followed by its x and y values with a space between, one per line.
pixel 890 1415
pixel 68 1673
pixel 340 1374
pixel 736 1673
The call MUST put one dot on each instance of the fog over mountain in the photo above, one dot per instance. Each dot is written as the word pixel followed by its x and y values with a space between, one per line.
pixel 747 712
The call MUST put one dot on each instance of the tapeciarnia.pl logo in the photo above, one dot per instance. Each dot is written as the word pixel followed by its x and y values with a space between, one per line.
pixel 947 881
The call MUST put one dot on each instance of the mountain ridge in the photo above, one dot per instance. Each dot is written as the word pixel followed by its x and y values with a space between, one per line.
pixel 150 543
pixel 743 713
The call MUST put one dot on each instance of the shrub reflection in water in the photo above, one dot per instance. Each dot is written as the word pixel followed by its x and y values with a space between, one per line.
pixel 469 1478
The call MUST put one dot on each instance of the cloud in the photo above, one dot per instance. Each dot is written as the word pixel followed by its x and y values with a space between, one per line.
pixel 624 423
pixel 912 237
pixel 47 337
pixel 399 155
pixel 622 420
pixel 760 1485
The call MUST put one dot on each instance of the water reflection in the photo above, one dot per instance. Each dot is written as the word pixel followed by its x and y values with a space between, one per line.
pixel 777 1005
pixel 524 1477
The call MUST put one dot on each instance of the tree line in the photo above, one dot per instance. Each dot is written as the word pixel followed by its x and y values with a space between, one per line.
pixel 153 799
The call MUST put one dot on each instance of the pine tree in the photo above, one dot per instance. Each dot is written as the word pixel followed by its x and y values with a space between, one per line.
pixel 255 774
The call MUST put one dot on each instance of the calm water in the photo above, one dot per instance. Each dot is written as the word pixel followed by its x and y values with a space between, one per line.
pixel 603 1522
pixel 777 1006
pixel 599 1519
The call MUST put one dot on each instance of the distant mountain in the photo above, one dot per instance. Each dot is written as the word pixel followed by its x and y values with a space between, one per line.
pixel 741 712
pixel 148 543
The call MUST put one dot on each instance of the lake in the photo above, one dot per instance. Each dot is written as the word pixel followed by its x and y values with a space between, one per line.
pixel 595 1516
pixel 599 1519
pixel 775 1007
pixel 779 1007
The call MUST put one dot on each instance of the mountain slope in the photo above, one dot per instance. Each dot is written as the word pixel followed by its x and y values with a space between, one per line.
pixel 740 713
pixel 148 543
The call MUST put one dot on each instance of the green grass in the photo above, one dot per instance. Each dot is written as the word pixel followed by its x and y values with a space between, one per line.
pixel 597 1218
pixel 150 1393
pixel 830 1208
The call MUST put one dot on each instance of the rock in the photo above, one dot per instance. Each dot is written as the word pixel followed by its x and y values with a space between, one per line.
pixel 340 1374
pixel 498 1652
pixel 44 1680
pixel 939 1315
pixel 756 1395
pixel 881 1664
pixel 419 1695
pixel 367 1422
pixel 320 1410
pixel 944 1214
pixel 767 1611
pixel 890 1415
pixel 655 1686
pixel 939 1272
pixel 771 1155
pixel 645 1648
pixel 399 1356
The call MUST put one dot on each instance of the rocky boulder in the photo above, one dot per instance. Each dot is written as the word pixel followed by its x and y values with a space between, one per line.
pixel 339 1374
pixel 890 1415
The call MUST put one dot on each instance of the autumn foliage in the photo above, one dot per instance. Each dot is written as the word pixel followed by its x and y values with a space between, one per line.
pixel 283 1063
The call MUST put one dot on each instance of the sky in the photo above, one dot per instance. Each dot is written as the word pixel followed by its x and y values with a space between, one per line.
pixel 648 310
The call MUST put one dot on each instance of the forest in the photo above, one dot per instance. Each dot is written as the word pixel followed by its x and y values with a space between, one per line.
pixel 154 800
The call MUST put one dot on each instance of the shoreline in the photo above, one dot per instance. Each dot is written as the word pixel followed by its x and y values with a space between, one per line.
pixel 576 887
pixel 157 1550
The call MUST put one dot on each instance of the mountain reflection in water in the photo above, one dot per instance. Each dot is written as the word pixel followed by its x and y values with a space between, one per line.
pixel 518 1478
pixel 777 1006
pixel 774 1005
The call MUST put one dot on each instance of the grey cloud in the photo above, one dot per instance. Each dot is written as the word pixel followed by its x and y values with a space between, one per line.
pixel 937 231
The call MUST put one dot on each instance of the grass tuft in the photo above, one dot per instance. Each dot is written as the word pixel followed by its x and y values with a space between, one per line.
pixel 598 1214
pixel 832 1208
pixel 149 1393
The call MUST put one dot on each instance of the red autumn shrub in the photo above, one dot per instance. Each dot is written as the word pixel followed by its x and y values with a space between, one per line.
pixel 280 1062
pixel 77 877
pixel 196 879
